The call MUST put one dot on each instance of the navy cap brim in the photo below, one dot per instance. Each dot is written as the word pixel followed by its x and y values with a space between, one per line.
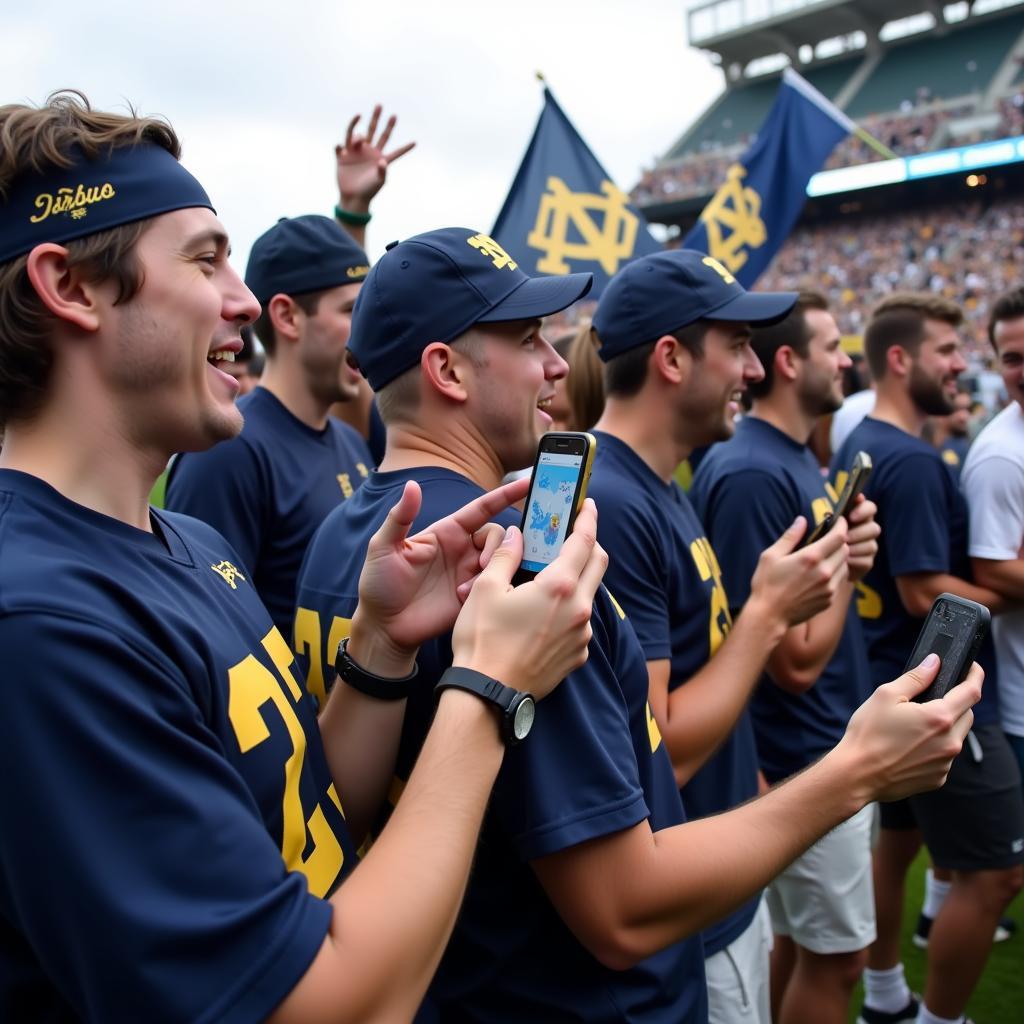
pixel 538 297
pixel 760 309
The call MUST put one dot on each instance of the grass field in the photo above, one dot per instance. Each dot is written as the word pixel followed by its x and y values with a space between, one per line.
pixel 999 998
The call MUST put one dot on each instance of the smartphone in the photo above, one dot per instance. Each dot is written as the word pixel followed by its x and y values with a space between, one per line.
pixel 856 481
pixel 860 473
pixel 558 486
pixel 954 630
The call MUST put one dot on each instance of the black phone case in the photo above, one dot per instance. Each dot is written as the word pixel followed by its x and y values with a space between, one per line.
pixel 955 630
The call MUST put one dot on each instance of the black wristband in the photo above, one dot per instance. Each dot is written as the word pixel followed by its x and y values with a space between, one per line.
pixel 378 687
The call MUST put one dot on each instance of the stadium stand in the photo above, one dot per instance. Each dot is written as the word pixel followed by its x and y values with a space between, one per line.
pixel 953 84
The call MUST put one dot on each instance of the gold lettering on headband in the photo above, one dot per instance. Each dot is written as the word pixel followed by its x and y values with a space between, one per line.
pixel 73 201
pixel 357 271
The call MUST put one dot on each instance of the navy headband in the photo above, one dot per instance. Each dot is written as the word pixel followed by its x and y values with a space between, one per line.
pixel 125 184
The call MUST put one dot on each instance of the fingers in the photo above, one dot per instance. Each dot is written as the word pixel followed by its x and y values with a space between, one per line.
pixel 398 521
pixel 918 679
pixel 388 129
pixel 396 153
pixel 579 545
pixel 371 128
pixel 483 509
pixel 963 697
pixel 351 128
pixel 790 536
pixel 504 561
pixel 487 539
pixel 863 511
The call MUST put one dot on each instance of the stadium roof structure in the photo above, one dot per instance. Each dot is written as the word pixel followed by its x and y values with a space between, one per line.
pixel 740 31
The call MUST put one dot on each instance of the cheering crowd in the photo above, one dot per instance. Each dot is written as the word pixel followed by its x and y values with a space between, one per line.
pixel 296 749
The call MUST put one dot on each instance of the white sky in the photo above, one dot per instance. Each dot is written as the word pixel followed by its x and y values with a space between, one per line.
pixel 260 93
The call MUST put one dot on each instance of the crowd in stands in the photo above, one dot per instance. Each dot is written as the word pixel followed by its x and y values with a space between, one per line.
pixel 941 250
pixel 915 128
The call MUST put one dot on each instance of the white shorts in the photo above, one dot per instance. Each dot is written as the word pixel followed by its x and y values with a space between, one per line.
pixel 738 975
pixel 825 901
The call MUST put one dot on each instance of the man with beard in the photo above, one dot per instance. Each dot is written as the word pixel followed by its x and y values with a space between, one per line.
pixel 747 490
pixel 675 340
pixel 588 888
pixel 974 826
pixel 268 489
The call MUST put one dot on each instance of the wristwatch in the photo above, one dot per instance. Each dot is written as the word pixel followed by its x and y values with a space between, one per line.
pixel 516 710
pixel 354 675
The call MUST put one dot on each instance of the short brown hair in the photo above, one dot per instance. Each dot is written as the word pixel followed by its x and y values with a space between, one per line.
pixel 32 140
pixel 584 387
pixel 899 319
pixel 791 330
pixel 624 375
pixel 1009 306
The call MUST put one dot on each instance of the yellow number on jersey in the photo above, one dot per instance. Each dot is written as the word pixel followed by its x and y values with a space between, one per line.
pixel 252 690
pixel 720 621
pixel 869 602
pixel 308 642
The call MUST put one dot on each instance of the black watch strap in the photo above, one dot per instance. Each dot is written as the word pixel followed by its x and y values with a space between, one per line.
pixel 504 698
pixel 354 675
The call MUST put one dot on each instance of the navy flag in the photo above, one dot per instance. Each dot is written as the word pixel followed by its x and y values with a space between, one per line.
pixel 563 214
pixel 751 215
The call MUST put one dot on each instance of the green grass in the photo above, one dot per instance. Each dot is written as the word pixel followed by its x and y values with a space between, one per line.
pixel 999 997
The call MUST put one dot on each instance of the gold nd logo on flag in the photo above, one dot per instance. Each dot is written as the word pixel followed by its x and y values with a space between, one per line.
pixel 733 220
pixel 607 245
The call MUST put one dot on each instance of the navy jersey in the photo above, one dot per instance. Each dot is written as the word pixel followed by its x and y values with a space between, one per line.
pixel 268 489
pixel 923 517
pixel 593 765
pixel 664 573
pixel 747 492
pixel 170 825
pixel 953 452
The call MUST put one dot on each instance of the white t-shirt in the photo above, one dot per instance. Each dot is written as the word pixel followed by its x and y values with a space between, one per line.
pixel 853 410
pixel 993 483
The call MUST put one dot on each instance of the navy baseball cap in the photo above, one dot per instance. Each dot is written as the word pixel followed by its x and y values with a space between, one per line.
pixel 303 254
pixel 660 293
pixel 434 287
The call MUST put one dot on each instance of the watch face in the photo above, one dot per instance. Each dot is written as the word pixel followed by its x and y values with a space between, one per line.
pixel 522 722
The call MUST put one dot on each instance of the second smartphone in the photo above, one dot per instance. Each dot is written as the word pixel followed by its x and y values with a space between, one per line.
pixel 557 489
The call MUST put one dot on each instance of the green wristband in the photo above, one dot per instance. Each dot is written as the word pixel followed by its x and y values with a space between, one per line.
pixel 348 217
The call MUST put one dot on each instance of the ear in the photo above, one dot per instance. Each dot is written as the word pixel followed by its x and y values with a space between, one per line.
pixel 785 363
pixel 445 371
pixel 671 361
pixel 284 315
pixel 897 361
pixel 64 290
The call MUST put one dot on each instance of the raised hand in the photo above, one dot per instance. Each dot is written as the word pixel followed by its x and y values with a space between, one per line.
pixel 362 164
pixel 411 588
pixel 531 636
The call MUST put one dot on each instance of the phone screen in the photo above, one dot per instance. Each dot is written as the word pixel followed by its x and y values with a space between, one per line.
pixel 549 507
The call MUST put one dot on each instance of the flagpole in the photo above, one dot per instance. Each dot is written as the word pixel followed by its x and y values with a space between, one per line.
pixel 879 147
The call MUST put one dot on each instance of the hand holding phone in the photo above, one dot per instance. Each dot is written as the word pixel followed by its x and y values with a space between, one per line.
pixel 557 489
pixel 857 480
pixel 954 630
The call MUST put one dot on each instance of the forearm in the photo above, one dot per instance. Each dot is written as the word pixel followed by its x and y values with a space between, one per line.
pixel 702 712
pixel 917 592
pixel 1005 577
pixel 806 649
pixel 361 734
pixel 697 873
pixel 393 916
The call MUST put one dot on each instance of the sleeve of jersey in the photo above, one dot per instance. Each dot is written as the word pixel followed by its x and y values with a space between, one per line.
pixel 225 487
pixel 915 509
pixel 994 488
pixel 138 870
pixel 637 575
pixel 747 512
pixel 576 777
